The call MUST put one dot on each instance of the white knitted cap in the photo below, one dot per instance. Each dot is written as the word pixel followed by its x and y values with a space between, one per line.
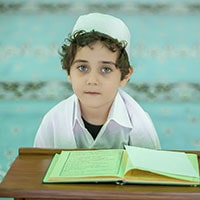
pixel 107 24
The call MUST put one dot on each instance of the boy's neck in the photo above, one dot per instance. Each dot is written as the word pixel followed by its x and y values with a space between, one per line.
pixel 94 116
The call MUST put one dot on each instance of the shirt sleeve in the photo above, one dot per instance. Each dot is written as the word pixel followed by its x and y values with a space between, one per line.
pixel 144 134
pixel 156 141
pixel 44 135
pixel 55 130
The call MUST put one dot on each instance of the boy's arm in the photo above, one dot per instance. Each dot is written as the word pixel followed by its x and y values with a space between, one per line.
pixel 154 133
pixel 44 135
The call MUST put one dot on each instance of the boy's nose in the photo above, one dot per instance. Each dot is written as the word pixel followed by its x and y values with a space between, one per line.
pixel 92 79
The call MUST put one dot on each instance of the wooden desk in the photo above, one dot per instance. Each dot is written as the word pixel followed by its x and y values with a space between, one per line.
pixel 24 181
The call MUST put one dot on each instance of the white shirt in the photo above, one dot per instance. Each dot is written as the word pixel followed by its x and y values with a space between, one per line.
pixel 127 124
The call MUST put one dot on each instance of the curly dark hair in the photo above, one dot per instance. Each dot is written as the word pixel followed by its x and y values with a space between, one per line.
pixel 83 38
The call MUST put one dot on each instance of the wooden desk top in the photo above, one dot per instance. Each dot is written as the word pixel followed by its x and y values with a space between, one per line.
pixel 24 181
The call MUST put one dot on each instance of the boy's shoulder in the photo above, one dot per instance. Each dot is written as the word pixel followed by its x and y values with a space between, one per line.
pixel 128 99
pixel 63 106
pixel 133 107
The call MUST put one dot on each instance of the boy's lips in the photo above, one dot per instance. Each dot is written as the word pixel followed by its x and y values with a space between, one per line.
pixel 92 93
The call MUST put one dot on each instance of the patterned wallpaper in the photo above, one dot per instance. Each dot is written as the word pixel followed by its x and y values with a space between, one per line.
pixel 165 53
pixel 58 90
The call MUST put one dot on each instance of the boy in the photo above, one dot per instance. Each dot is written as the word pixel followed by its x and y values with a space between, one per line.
pixel 99 114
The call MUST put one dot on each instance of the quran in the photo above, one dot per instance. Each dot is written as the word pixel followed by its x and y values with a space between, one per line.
pixel 132 165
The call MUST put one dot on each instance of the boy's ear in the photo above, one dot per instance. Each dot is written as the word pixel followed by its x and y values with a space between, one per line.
pixel 127 77
pixel 69 78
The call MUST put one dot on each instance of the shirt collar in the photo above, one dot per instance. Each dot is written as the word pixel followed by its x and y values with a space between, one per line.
pixel 118 112
pixel 77 112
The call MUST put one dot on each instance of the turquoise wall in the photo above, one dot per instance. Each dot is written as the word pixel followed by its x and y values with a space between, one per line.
pixel 165 52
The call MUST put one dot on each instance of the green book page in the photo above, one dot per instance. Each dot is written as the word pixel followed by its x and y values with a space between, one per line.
pixel 51 167
pixel 88 163
pixel 172 164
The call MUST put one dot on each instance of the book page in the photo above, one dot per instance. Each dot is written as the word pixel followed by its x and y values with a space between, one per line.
pixel 90 163
pixel 173 164
pixel 51 167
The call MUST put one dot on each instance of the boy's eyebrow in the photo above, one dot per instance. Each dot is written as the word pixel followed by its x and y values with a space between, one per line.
pixel 108 62
pixel 80 61
pixel 103 62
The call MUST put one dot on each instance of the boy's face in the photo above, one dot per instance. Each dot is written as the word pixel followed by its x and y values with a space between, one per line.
pixel 94 76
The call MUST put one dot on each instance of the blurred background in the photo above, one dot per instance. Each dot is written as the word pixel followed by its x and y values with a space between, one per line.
pixel 165 53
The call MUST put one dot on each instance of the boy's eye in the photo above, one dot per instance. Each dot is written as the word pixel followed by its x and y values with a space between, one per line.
pixel 106 69
pixel 83 68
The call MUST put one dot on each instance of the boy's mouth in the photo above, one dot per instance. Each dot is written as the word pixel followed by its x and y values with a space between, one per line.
pixel 92 93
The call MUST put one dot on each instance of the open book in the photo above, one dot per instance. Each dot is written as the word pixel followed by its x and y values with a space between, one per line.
pixel 132 165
